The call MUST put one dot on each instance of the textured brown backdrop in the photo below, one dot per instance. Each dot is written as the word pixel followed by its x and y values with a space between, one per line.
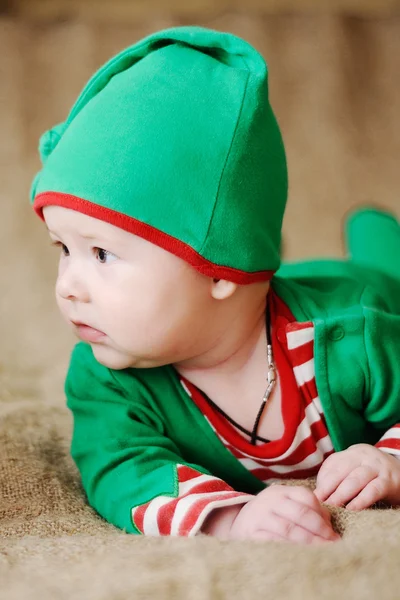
pixel 131 10
pixel 335 88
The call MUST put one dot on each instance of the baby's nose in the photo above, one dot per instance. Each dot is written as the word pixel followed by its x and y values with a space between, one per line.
pixel 72 285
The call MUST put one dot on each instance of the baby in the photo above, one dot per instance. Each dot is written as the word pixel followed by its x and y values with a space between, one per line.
pixel 205 375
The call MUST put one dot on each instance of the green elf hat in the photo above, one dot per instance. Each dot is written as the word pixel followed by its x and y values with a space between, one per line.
pixel 174 140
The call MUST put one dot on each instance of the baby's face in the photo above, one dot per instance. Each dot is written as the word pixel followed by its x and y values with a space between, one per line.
pixel 135 303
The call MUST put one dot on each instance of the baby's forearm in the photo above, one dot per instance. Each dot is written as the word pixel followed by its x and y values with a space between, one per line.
pixel 220 521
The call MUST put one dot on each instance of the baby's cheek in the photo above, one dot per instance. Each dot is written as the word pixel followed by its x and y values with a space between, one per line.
pixel 122 320
pixel 61 303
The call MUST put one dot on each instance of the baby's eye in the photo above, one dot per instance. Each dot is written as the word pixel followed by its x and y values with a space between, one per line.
pixel 104 256
pixel 63 247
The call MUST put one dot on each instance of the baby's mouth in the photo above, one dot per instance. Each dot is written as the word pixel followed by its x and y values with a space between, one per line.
pixel 87 333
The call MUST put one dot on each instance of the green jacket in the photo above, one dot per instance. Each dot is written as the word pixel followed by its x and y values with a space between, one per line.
pixel 132 427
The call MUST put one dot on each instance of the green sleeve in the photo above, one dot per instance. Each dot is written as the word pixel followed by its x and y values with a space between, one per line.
pixel 372 239
pixel 118 444
pixel 382 347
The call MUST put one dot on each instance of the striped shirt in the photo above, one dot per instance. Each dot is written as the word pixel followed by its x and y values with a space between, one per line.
pixel 299 453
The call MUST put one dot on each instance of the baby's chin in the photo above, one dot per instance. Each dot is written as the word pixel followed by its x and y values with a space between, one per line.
pixel 117 360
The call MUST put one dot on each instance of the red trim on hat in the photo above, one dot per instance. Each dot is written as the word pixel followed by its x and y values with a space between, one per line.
pixel 149 233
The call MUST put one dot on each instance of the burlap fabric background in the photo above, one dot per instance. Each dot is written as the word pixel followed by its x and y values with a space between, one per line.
pixel 335 87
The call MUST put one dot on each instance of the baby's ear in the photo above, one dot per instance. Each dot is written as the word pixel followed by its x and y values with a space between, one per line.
pixel 221 289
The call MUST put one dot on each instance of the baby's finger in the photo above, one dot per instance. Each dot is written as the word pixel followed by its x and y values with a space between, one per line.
pixel 352 486
pixel 329 478
pixel 306 496
pixel 265 535
pixel 326 515
pixel 307 518
pixel 292 531
pixel 373 492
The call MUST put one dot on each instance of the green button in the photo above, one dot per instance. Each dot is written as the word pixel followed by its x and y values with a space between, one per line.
pixel 336 334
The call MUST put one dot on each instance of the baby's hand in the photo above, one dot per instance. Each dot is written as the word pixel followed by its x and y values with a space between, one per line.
pixel 359 477
pixel 286 513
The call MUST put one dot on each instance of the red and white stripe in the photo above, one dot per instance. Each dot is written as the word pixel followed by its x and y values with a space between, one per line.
pixel 307 449
pixel 185 514
pixel 310 444
pixel 390 441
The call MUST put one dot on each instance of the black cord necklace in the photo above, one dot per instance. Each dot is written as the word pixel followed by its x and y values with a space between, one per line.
pixel 271 380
